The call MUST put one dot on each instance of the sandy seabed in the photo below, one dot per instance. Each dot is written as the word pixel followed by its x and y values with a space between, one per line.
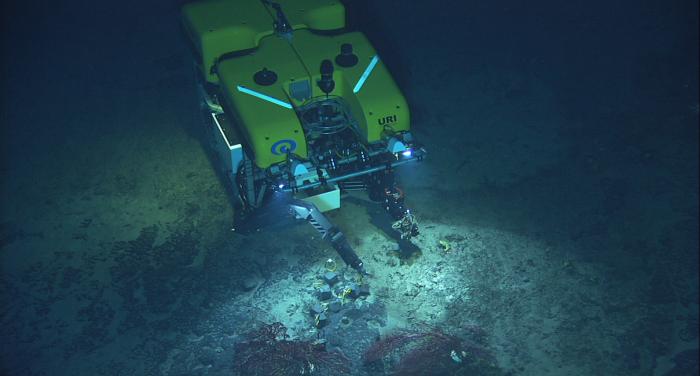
pixel 572 246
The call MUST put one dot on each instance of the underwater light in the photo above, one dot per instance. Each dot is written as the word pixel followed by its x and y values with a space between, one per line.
pixel 365 74
pixel 407 153
pixel 262 96
pixel 280 186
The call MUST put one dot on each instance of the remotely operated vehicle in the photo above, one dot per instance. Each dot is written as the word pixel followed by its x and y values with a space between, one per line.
pixel 296 105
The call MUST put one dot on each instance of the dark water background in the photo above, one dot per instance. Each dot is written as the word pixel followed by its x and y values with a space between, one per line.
pixel 89 89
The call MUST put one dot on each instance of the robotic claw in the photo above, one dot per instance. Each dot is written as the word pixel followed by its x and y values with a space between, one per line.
pixel 404 221
pixel 309 212
pixel 383 188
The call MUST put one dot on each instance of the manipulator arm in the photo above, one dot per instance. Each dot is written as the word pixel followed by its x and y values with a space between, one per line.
pixel 309 212
pixel 383 188
pixel 404 221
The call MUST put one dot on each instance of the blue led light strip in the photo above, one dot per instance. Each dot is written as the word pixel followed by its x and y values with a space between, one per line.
pixel 365 74
pixel 265 97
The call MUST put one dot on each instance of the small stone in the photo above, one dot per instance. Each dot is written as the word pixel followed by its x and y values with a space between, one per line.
pixel 324 293
pixel 321 320
pixel 330 278
pixel 249 284
pixel 335 306
pixel 354 290
pixel 316 309
pixel 363 290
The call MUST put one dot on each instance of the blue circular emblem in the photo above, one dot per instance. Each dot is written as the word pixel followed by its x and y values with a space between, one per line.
pixel 283 147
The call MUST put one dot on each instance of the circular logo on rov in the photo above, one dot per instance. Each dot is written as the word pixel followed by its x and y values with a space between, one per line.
pixel 283 147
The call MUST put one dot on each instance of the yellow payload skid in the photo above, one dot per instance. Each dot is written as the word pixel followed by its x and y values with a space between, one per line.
pixel 297 103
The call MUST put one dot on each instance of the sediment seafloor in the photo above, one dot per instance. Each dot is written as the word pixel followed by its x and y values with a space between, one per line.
pixel 558 215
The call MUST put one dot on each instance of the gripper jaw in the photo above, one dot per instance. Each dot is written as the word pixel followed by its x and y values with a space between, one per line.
pixel 309 212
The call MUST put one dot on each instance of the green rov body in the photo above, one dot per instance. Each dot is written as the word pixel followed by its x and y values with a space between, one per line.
pixel 295 103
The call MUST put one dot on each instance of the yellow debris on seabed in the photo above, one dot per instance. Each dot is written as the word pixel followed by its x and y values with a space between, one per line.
pixel 444 245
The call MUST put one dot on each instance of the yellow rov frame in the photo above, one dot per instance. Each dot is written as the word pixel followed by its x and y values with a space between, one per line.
pixel 297 103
